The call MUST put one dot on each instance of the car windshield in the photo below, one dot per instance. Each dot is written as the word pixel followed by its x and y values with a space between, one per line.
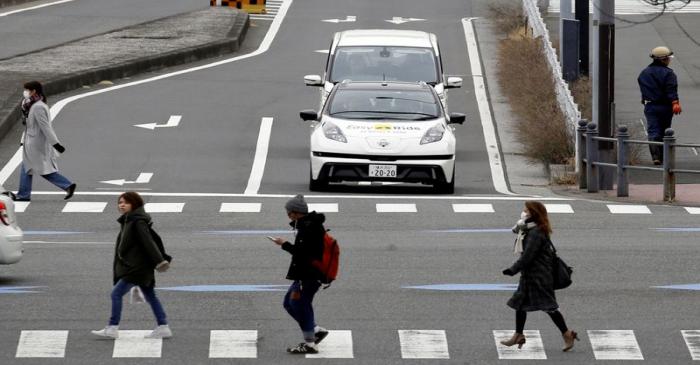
pixel 384 64
pixel 384 104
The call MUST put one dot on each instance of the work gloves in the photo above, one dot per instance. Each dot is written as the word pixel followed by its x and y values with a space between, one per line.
pixel 59 148
pixel 676 107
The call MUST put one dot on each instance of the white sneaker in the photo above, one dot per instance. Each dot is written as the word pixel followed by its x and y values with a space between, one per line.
pixel 160 332
pixel 109 331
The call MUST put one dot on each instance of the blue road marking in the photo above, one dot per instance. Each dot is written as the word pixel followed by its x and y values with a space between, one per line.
pixel 677 229
pixel 694 287
pixel 227 288
pixel 465 287
pixel 247 232
pixel 51 233
pixel 470 230
pixel 18 289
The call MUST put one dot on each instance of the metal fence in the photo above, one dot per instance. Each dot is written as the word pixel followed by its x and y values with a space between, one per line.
pixel 588 147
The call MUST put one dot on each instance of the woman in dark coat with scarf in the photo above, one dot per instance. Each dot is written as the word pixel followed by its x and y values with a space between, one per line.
pixel 536 287
pixel 136 255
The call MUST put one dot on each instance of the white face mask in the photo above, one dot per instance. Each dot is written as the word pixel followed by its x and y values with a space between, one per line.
pixel 26 94
pixel 524 216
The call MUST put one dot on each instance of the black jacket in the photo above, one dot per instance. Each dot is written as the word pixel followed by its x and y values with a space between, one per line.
pixel 308 246
pixel 536 287
pixel 135 254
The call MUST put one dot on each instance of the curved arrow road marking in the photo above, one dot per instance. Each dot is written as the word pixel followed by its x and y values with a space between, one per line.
pixel 174 121
pixel 144 178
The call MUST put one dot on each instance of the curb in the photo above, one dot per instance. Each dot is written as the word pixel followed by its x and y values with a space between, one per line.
pixel 53 86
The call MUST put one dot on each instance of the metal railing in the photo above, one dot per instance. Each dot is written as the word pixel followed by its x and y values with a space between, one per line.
pixel 588 148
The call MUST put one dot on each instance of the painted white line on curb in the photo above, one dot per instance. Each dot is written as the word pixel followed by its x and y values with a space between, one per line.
pixel 35 7
pixel 56 108
pixel 233 344
pixel 423 344
pixel 492 149
pixel 42 344
pixel 615 345
pixel 258 169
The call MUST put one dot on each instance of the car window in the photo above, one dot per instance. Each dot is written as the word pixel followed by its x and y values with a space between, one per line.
pixel 384 104
pixel 384 64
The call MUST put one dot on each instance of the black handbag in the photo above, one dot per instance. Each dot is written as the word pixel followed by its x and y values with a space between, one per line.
pixel 561 272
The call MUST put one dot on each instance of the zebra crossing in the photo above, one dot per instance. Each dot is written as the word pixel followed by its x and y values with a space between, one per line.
pixel 641 7
pixel 414 344
pixel 379 208
pixel 272 7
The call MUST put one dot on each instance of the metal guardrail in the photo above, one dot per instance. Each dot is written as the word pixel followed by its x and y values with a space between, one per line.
pixel 587 155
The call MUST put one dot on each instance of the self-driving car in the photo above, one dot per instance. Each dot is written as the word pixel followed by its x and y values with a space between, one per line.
pixel 383 131
pixel 11 235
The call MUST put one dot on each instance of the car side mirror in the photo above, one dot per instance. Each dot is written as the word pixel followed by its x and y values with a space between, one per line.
pixel 457 118
pixel 313 80
pixel 453 82
pixel 309 114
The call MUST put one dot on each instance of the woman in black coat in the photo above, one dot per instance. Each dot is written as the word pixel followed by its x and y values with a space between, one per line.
pixel 136 255
pixel 536 287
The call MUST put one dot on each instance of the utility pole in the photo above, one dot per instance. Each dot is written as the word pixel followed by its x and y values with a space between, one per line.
pixel 603 82
pixel 582 15
pixel 569 30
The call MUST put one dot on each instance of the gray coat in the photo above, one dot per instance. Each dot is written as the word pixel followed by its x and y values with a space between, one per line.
pixel 136 254
pixel 39 156
pixel 536 287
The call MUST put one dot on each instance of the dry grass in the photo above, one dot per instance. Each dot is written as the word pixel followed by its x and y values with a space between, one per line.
pixel 582 91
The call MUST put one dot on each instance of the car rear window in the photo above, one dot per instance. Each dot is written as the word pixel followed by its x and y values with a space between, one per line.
pixel 384 64
pixel 384 104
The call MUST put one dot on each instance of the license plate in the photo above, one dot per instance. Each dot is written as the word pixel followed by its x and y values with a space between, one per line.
pixel 382 171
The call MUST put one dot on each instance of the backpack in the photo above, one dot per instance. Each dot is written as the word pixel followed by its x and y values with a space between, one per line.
pixel 328 265
pixel 159 244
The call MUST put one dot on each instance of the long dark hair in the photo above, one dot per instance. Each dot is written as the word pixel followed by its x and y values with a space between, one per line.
pixel 38 87
pixel 538 214
pixel 132 198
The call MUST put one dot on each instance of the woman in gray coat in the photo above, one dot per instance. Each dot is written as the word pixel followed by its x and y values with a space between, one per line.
pixel 536 287
pixel 40 141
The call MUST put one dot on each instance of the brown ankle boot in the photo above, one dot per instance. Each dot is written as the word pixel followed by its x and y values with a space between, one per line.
pixel 517 339
pixel 569 337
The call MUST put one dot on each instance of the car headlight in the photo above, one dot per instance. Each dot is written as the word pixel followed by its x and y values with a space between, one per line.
pixel 332 131
pixel 433 134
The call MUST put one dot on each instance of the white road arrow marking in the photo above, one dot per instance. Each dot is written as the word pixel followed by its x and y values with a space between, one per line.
pixel 401 20
pixel 174 121
pixel 144 178
pixel 348 19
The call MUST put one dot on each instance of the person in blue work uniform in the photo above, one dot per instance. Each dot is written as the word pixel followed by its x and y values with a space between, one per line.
pixel 659 87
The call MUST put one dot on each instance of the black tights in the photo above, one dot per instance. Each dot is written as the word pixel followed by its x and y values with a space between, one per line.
pixel 521 317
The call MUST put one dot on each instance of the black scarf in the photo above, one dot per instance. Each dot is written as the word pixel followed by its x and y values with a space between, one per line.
pixel 27 103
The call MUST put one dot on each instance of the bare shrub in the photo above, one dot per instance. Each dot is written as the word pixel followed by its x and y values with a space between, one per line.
pixel 582 91
pixel 636 151
pixel 507 15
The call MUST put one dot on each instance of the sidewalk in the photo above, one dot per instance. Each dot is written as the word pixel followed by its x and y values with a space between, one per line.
pixel 142 48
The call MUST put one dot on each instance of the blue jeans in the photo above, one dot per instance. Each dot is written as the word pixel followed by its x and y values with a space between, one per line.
pixel 25 182
pixel 149 292
pixel 298 301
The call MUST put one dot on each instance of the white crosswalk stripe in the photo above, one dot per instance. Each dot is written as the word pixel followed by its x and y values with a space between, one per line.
pixel 559 208
pixel 423 344
pixel 628 209
pixel 164 207
pixel 692 340
pixel 42 344
pixel 337 345
pixel 323 207
pixel 133 344
pixel 84 207
pixel 20 207
pixel 615 345
pixel 692 210
pixel 233 344
pixel 272 7
pixel 396 208
pixel 532 350
pixel 240 208
pixel 633 7
pixel 472 208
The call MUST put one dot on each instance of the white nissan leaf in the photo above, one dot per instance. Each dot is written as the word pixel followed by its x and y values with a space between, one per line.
pixel 383 131
pixel 11 235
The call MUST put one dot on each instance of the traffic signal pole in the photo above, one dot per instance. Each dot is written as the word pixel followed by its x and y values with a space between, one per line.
pixel 603 82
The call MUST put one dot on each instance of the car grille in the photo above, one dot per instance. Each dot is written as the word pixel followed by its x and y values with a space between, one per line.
pixel 383 158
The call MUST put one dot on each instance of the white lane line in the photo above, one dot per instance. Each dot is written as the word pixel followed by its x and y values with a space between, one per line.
pixel 323 207
pixel 692 210
pixel 396 208
pixel 628 209
pixel 35 7
pixel 240 208
pixel 42 344
pixel 492 149
pixel 56 108
pixel 164 207
pixel 472 208
pixel 84 207
pixel 258 169
pixel 133 344
pixel 337 345
pixel 692 340
pixel 533 349
pixel 423 344
pixel 372 197
pixel 559 208
pixel 21 207
pixel 233 344
pixel 615 345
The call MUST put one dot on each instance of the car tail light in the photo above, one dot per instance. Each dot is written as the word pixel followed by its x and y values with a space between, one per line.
pixel 4 217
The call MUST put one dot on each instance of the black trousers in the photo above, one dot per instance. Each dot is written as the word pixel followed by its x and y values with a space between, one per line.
pixel 521 317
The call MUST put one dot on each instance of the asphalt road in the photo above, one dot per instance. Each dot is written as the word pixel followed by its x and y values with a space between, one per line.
pixel 206 161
